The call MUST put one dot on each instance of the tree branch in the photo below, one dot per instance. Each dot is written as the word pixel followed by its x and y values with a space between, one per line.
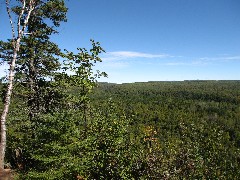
pixel 31 8
pixel 20 17
pixel 10 19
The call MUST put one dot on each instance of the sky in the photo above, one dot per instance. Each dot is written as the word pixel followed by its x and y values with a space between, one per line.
pixel 154 40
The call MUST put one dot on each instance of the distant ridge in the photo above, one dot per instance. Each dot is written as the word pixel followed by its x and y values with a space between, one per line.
pixel 170 81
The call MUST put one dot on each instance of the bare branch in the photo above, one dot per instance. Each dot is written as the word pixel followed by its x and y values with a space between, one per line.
pixel 31 8
pixel 27 33
pixel 10 18
pixel 20 17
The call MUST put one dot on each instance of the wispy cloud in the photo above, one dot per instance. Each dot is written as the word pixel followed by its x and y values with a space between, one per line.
pixel 217 59
pixel 221 58
pixel 202 61
pixel 120 55
pixel 122 59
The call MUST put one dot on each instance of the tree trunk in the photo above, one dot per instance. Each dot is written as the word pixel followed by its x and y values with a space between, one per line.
pixel 7 104
pixel 16 46
pixel 33 103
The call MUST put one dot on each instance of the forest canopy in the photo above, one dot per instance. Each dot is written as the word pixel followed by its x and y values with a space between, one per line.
pixel 61 125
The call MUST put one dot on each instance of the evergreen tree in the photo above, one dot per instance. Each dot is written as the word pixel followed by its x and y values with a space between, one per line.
pixel 26 51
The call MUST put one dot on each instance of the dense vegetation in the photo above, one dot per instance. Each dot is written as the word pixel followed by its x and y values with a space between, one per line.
pixel 187 129
pixel 60 125
pixel 154 130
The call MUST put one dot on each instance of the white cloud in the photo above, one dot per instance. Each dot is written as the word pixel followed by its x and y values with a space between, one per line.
pixel 221 58
pixel 191 63
pixel 233 58
pixel 204 61
pixel 119 55
pixel 122 59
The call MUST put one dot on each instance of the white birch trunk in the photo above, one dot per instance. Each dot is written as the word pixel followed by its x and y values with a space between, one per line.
pixel 16 46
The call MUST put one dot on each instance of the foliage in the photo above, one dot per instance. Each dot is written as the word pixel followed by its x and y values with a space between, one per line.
pixel 63 126
pixel 189 128
pixel 178 138
pixel 60 151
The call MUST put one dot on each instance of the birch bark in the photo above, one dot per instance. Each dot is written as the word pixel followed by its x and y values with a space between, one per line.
pixel 25 9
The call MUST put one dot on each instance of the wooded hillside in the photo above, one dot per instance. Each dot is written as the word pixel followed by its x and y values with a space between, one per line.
pixel 154 130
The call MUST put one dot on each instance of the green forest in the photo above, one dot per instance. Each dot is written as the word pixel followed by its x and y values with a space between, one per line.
pixel 151 130
pixel 58 122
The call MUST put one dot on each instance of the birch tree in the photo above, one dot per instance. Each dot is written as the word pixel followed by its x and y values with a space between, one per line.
pixel 29 46
pixel 18 30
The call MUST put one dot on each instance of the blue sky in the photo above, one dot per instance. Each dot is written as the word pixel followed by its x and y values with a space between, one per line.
pixel 155 40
